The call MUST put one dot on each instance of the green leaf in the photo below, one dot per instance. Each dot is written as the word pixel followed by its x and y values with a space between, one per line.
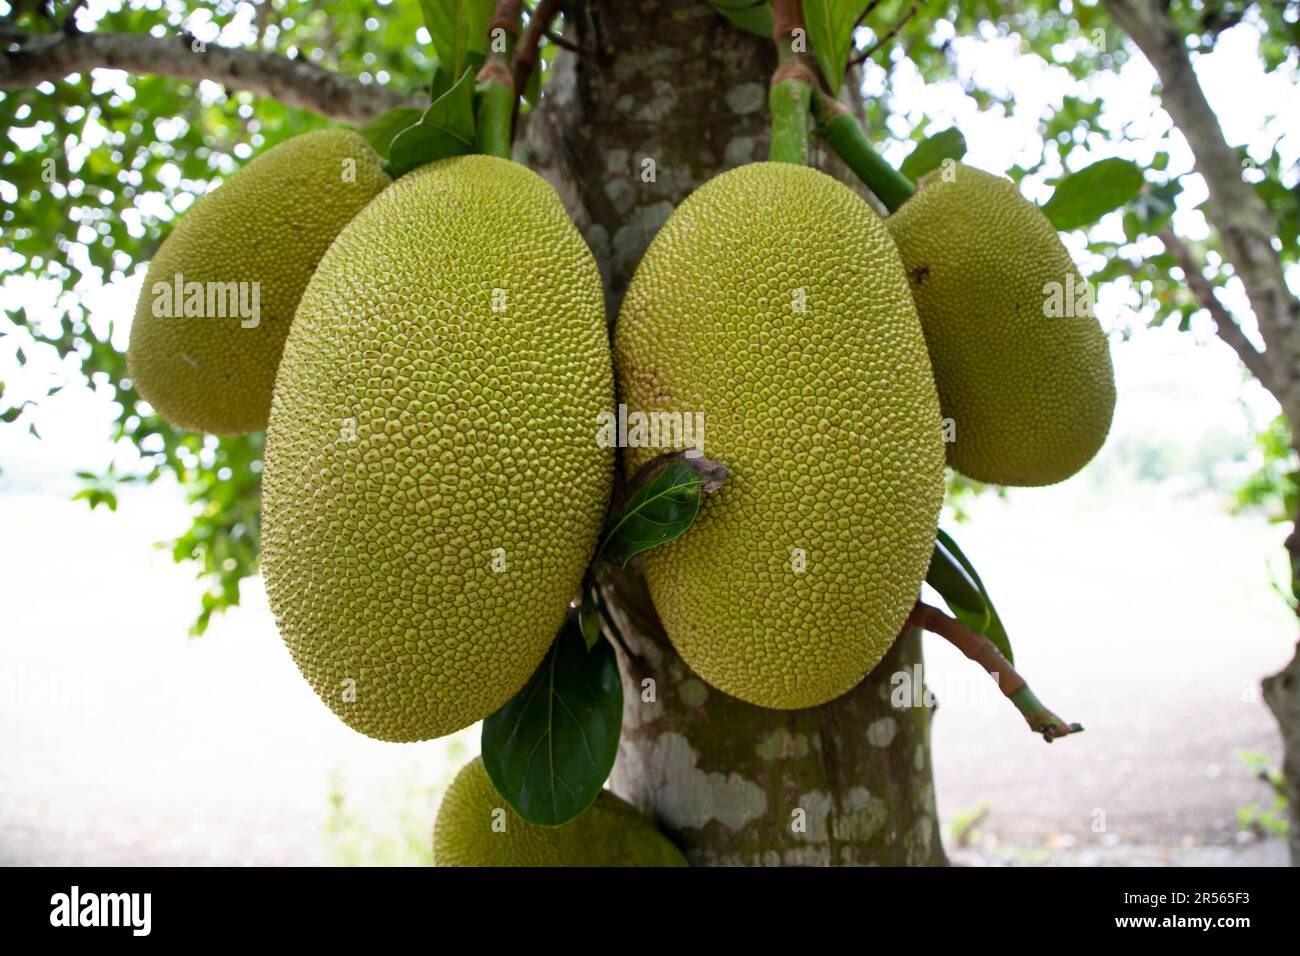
pixel 459 32
pixel 664 500
pixel 932 151
pixel 754 17
pixel 955 578
pixel 1153 207
pixel 380 130
pixel 533 85
pixel 589 618
pixel 830 31
pixel 1084 197
pixel 549 750
pixel 445 129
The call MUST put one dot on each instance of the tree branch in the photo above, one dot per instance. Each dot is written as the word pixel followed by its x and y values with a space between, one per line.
pixel 982 651
pixel 866 12
pixel 526 52
pixel 1242 219
pixel 1224 323
pixel 28 59
pixel 865 55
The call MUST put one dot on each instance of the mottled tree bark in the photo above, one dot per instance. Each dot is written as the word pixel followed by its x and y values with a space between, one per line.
pixel 848 783
pixel 672 95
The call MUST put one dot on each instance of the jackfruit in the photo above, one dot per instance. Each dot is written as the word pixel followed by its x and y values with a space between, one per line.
pixel 774 302
pixel 1022 365
pixel 469 832
pixel 219 294
pixel 434 488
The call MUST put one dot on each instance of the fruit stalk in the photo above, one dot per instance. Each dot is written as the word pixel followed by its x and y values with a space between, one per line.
pixel 842 132
pixel 981 650
pixel 790 94
pixel 525 58
pixel 496 84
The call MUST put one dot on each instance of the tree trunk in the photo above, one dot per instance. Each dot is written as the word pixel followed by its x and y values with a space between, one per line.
pixel 1282 695
pixel 671 95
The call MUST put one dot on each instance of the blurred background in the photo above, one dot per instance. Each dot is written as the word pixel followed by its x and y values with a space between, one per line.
pixel 149 713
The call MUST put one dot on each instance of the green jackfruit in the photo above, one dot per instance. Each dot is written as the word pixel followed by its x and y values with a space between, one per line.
pixel 1022 365
pixel 475 827
pixel 220 292
pixel 756 306
pixel 434 488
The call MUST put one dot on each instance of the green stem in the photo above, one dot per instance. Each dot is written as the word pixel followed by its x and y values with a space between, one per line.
pixel 494 121
pixel 842 132
pixel 788 101
pixel 1039 718
pixel 496 105
pixel 790 95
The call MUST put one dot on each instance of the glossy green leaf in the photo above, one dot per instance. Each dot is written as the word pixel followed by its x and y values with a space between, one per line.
pixel 830 32
pixel 533 85
pixel 459 31
pixel 445 129
pixel 549 750
pixel 1153 207
pixel 953 575
pixel 664 500
pixel 1084 197
pixel 754 17
pixel 380 130
pixel 932 151
pixel 589 618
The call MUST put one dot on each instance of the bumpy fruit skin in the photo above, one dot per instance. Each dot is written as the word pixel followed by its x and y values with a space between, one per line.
pixel 609 833
pixel 1030 394
pixel 415 431
pixel 826 418
pixel 269 224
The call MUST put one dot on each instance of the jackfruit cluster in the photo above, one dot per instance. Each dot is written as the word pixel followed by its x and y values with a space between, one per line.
pixel 1022 365
pixel 221 290
pixel 474 827
pixel 433 490
pixel 774 301
pixel 434 487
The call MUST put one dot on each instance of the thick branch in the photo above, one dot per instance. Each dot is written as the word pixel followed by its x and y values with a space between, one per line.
pixel 29 59
pixel 1241 218
pixel 1224 323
